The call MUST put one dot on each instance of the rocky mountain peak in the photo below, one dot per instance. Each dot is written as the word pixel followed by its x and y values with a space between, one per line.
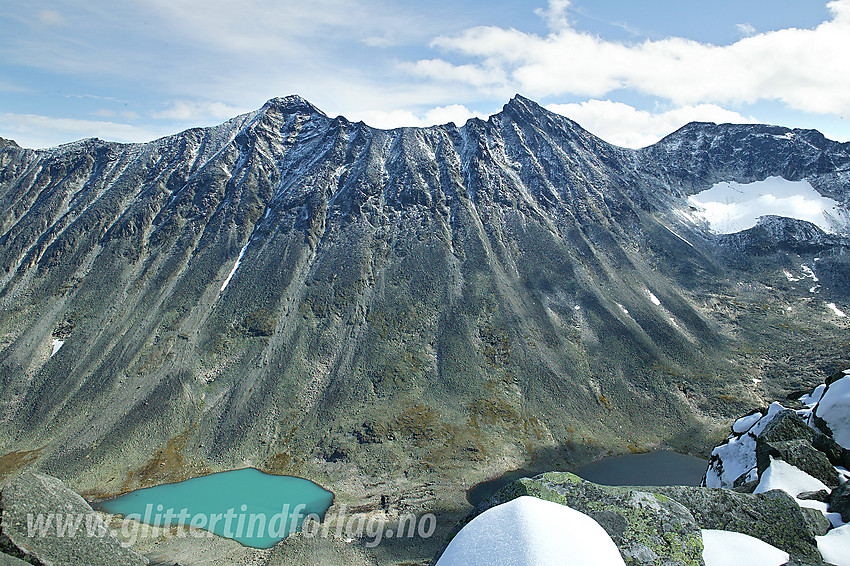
pixel 292 104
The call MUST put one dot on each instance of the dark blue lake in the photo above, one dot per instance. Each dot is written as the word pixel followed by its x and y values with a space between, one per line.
pixel 661 467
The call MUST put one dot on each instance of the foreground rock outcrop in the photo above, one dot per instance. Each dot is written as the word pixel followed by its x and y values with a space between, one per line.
pixel 779 478
pixel 45 523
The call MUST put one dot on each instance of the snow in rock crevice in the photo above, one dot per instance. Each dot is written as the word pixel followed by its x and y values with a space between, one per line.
pixel 57 345
pixel 235 267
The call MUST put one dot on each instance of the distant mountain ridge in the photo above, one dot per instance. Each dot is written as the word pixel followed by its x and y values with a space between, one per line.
pixel 408 305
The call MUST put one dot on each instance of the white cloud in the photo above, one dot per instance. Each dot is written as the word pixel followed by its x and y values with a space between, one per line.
pixel 745 29
pixel 804 68
pixel 198 111
pixel 107 113
pixel 50 18
pixel 475 75
pixel 555 13
pixel 627 126
pixel 35 131
pixel 456 113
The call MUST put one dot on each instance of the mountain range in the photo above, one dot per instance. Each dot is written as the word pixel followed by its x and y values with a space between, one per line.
pixel 396 313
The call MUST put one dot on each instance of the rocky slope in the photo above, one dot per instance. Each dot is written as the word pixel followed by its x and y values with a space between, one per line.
pixel 387 311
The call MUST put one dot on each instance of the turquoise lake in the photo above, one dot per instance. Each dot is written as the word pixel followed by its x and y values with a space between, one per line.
pixel 247 505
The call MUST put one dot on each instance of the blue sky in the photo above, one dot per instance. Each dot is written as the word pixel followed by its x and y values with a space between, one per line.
pixel 628 71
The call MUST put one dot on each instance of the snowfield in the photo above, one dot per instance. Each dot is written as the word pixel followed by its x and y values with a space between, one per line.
pixel 731 207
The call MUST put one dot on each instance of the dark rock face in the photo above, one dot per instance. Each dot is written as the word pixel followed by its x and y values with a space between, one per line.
pixel 30 496
pixel 775 234
pixel 835 453
pixel 839 501
pixel 261 289
pixel 700 154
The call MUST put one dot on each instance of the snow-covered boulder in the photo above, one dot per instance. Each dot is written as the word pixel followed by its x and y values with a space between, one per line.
pixel 734 461
pixel 531 532
pixel 649 529
pixel 832 412
pixel 823 424
pixel 790 479
pixel 773 517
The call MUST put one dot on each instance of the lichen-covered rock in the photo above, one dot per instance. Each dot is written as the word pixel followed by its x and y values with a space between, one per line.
pixel 839 501
pixel 773 517
pixel 803 562
pixel 83 537
pixel 818 522
pixel 800 454
pixel 649 529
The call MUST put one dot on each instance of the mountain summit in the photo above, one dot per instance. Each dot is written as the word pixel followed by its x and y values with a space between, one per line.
pixel 372 308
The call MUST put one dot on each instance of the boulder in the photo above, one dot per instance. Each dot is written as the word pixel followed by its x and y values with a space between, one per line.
pixel 649 529
pixel 839 501
pixel 817 521
pixel 773 517
pixel 821 495
pixel 836 454
pixel 32 498
pixel 801 562
pixel 800 454
pixel 785 426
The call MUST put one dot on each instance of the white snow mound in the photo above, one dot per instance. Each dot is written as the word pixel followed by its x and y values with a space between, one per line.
pixel 531 532
pixel 726 548
pixel 834 546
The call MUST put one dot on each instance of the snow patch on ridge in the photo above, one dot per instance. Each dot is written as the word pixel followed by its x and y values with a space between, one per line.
pixel 838 312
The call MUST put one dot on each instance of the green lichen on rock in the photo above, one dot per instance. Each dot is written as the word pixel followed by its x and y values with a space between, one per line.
pixel 772 517
pixel 648 528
